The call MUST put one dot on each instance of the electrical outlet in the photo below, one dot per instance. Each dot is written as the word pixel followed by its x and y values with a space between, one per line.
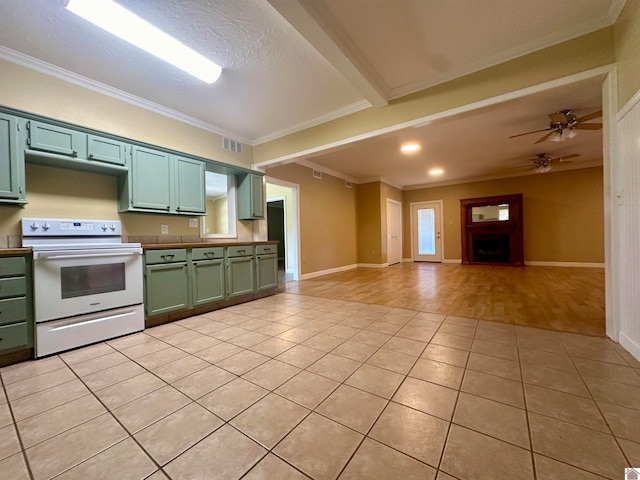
pixel 164 229
pixel 193 222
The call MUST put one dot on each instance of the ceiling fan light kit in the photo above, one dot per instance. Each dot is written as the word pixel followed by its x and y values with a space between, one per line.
pixel 563 125
pixel 543 161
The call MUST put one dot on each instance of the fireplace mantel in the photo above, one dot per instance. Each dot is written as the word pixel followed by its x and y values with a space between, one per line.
pixel 492 230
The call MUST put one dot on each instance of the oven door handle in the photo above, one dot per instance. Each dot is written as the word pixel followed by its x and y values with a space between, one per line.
pixel 57 256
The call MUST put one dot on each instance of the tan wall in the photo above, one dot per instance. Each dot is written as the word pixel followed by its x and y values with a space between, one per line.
pixel 369 223
pixel 563 214
pixel 627 50
pixel 327 218
pixel 574 56
pixel 57 192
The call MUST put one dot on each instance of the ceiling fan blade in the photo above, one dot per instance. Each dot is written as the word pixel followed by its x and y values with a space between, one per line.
pixel 591 116
pixel 588 126
pixel 546 136
pixel 565 158
pixel 528 133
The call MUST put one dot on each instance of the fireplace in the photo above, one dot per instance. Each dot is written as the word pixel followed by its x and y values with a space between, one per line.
pixel 490 248
pixel 492 230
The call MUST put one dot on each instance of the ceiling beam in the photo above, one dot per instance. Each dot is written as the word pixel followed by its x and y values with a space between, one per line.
pixel 316 24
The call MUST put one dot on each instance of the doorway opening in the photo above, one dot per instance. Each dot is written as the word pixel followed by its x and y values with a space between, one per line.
pixel 283 225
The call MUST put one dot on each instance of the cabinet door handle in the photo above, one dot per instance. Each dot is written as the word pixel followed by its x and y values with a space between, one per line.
pixel 209 254
pixel 91 155
pixel 1 339
pixel 241 251
pixel 74 153
pixel 167 256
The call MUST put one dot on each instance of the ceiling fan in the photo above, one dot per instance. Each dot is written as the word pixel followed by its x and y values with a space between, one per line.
pixel 562 125
pixel 542 162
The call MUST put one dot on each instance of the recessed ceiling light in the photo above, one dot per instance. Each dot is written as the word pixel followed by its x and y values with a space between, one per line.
pixel 119 21
pixel 410 147
pixel 436 171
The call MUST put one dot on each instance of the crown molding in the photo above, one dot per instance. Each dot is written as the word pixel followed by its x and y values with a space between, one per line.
pixel 340 112
pixel 50 70
pixel 328 171
pixel 381 180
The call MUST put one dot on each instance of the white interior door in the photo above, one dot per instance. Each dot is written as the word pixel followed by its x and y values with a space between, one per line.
pixel 426 231
pixel 394 232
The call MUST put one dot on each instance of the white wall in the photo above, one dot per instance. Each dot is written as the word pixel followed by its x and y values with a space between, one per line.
pixel 626 226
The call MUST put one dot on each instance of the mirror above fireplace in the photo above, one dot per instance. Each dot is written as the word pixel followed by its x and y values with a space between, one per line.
pixel 492 230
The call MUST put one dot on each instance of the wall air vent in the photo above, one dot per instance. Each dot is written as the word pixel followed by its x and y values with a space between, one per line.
pixel 348 184
pixel 317 174
pixel 231 145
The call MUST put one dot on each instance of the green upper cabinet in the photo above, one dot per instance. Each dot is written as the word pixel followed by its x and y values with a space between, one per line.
pixel 160 182
pixel 189 185
pixel 150 179
pixel 102 149
pixel 250 196
pixel 54 139
pixel 12 181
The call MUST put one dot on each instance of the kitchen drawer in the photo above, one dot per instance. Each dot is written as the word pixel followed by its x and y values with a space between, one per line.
pixel 12 336
pixel 169 255
pixel 266 249
pixel 12 287
pixel 207 253
pixel 240 251
pixel 13 310
pixel 12 266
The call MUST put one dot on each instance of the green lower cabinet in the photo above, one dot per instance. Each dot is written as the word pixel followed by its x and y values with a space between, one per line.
pixel 166 288
pixel 240 276
pixel 14 336
pixel 266 272
pixel 207 280
pixel 16 300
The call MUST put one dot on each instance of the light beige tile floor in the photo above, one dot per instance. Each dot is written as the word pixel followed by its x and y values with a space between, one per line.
pixel 294 387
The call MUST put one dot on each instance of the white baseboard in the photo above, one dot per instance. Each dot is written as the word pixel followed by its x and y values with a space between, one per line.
pixel 630 345
pixel 319 273
pixel 373 265
pixel 452 260
pixel 534 263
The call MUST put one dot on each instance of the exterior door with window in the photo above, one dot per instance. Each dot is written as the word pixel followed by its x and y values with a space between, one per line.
pixel 426 231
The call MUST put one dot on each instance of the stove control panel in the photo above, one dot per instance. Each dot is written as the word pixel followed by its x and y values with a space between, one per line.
pixel 69 227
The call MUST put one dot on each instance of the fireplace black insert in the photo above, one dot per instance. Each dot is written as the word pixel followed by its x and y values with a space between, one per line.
pixel 490 248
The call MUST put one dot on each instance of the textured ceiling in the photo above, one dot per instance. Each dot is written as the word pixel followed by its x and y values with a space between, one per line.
pixel 272 79
pixel 288 64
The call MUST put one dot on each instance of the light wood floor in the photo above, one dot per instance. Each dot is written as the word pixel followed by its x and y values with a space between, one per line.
pixel 555 298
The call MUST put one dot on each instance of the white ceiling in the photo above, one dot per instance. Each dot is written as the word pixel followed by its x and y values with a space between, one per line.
pixel 290 64
pixel 475 145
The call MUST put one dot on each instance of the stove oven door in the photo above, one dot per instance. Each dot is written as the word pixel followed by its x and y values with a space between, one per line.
pixel 76 282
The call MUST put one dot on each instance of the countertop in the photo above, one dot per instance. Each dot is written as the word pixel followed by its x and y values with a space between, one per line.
pixel 15 251
pixel 157 246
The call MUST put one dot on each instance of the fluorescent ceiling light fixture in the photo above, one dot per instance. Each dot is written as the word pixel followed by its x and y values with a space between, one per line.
pixel 410 148
pixel 436 171
pixel 119 21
